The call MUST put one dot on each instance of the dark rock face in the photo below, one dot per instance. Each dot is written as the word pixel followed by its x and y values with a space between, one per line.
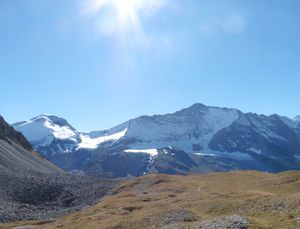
pixel 17 155
pixel 169 161
pixel 10 135
pixel 244 133
pixel 173 161
pixel 267 139
pixel 50 151
pixel 118 165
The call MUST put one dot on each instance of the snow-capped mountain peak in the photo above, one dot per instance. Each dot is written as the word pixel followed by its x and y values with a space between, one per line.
pixel 53 135
pixel 196 124
pixel 43 129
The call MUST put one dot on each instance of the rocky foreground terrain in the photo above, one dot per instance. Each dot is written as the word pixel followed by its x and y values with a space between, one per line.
pixel 39 196
pixel 236 200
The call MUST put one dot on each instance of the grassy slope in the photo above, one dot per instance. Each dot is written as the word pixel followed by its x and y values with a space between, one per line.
pixel 267 200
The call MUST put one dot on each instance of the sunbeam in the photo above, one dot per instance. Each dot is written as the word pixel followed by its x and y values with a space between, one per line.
pixel 123 15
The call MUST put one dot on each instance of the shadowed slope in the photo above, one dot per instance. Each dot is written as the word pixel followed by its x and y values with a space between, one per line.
pixel 17 155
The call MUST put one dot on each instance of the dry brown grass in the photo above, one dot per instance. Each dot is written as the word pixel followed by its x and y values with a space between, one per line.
pixel 266 200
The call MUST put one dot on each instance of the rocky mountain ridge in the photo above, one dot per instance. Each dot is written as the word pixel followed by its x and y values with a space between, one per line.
pixel 220 138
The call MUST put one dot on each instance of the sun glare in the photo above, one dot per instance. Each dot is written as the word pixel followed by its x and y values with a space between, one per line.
pixel 123 9
pixel 126 8
pixel 127 11
pixel 115 16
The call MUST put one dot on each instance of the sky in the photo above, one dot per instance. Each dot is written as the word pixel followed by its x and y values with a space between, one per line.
pixel 99 63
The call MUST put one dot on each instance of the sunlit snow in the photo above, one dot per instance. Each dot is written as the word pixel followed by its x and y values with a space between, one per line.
pixel 92 143
pixel 43 130
pixel 60 132
pixel 152 152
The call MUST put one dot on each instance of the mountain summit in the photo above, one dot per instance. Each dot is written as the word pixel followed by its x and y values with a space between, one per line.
pixel 43 129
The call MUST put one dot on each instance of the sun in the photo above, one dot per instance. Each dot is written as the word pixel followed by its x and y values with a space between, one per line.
pixel 119 17
pixel 128 13
pixel 124 9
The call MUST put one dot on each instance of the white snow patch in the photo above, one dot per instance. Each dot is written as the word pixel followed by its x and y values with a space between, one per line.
pixel 205 154
pixel 297 157
pixel 152 152
pixel 60 132
pixel 237 156
pixel 254 150
pixel 92 143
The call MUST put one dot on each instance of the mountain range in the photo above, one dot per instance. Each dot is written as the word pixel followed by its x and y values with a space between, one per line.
pixel 197 139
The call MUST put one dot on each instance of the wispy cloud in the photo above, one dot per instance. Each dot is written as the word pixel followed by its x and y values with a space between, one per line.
pixel 230 24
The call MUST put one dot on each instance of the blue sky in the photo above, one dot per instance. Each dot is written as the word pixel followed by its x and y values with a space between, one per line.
pixel 98 64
